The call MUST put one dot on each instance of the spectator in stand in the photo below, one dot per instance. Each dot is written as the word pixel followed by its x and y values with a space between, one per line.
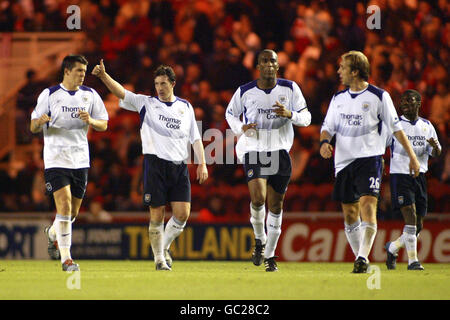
pixel 218 118
pixel 27 96
pixel 117 186
pixel 352 36
pixel 246 40
pixel 140 77
pixel 189 86
pixel 232 69
pixel 26 99
pixel 117 41
pixel 161 12
pixel 440 109
pixel 214 212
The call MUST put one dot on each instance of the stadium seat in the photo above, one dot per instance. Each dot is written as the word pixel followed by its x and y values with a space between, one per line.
pixel 314 204
pixel 324 193
pixel 294 205
pixel 198 197
pixel 293 201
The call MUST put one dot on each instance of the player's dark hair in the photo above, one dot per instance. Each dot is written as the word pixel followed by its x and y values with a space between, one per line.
pixel 412 93
pixel 263 52
pixel 70 60
pixel 359 62
pixel 164 70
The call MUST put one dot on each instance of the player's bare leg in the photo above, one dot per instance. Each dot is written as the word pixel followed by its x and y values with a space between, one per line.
pixel 419 224
pixel 155 232
pixel 63 226
pixel 175 226
pixel 76 205
pixel 258 189
pixel 352 225
pixel 274 219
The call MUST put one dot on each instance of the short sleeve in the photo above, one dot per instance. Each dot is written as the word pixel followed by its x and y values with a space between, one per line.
pixel 132 101
pixel 388 136
pixel 98 108
pixel 329 123
pixel 194 132
pixel 389 115
pixel 42 106
pixel 298 100
pixel 234 111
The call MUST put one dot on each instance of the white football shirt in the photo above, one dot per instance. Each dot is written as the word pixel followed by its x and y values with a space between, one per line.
pixel 356 118
pixel 167 128
pixel 256 105
pixel 418 132
pixel 65 136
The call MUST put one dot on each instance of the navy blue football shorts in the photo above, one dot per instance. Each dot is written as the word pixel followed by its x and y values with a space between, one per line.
pixel 407 190
pixel 360 178
pixel 57 178
pixel 165 181
pixel 274 166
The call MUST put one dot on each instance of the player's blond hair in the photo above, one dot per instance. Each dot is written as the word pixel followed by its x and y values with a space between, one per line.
pixel 359 62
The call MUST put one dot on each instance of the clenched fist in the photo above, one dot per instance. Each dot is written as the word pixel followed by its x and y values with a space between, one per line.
pixel 99 70
pixel 84 116
pixel 43 120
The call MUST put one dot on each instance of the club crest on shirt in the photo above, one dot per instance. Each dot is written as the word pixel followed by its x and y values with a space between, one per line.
pixel 282 99
pixel 147 197
pixel 400 199
pixel 366 106
pixel 85 99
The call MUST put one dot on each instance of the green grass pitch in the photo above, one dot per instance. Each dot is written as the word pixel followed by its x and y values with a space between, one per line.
pixel 218 280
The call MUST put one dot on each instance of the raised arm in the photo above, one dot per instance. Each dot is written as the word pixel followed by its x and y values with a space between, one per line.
pixel 116 88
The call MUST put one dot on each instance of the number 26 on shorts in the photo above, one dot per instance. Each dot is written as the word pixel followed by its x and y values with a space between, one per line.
pixel 374 183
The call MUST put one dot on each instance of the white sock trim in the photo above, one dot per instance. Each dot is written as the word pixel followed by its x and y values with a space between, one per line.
pixel 63 230
pixel 369 231
pixel 273 223
pixel 353 234
pixel 155 233
pixel 257 220
pixel 353 226
pixel 173 229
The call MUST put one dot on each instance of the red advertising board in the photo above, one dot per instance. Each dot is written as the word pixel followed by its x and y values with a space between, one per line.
pixel 314 241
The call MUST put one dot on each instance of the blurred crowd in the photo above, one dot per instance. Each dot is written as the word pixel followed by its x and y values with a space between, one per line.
pixel 212 46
